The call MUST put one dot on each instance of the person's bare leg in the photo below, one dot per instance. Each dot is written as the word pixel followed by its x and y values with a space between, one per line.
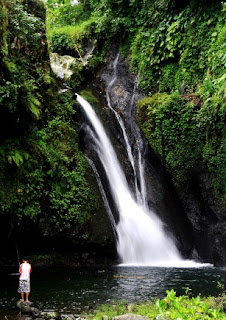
pixel 22 296
pixel 27 295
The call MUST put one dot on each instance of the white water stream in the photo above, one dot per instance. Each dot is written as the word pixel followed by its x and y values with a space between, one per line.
pixel 122 126
pixel 61 65
pixel 141 237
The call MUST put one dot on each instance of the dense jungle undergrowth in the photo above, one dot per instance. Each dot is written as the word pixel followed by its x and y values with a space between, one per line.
pixel 178 51
pixel 45 181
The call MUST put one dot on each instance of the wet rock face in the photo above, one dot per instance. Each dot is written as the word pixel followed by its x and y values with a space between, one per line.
pixel 207 220
pixel 122 92
pixel 161 195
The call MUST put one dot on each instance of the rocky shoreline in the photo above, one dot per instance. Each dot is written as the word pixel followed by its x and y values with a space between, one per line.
pixel 27 311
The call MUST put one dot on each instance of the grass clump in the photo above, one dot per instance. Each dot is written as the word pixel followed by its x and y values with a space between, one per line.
pixel 88 95
pixel 70 36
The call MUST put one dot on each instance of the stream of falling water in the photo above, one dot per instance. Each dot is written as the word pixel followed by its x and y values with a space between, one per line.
pixel 139 195
pixel 141 239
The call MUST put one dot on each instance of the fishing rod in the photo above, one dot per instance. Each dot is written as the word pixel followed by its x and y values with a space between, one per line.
pixel 17 253
pixel 18 258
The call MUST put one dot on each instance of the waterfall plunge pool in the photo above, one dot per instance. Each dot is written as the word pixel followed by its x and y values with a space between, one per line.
pixel 77 290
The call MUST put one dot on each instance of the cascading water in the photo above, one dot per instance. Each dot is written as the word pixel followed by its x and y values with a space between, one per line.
pixel 61 65
pixel 141 239
pixel 104 197
pixel 122 126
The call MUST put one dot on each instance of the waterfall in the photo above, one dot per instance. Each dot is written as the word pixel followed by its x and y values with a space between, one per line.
pixel 141 239
pixel 122 126
pixel 104 197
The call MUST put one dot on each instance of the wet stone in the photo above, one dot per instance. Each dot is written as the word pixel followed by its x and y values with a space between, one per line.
pixel 35 312
pixel 25 307
pixel 52 315
pixel 29 312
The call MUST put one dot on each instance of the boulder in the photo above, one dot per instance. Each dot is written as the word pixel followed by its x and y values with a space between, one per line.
pixel 24 307
pixel 35 312
pixel 50 315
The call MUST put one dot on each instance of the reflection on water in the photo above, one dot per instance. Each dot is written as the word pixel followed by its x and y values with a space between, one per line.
pixel 76 290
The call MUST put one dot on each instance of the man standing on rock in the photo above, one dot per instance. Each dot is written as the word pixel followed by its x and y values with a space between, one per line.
pixel 24 280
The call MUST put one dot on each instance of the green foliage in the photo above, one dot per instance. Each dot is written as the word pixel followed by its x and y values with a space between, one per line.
pixel 70 28
pixel 43 175
pixel 65 28
pixel 69 37
pixel 184 45
pixel 19 81
pixel 3 29
pixel 9 95
pixel 51 182
pixel 170 80
pixel 171 307
pixel 211 118
pixel 180 40
pixel 171 127
pixel 164 41
pixel 70 198
pixel 87 94
pixel 17 156
pixel 183 307
pixel 217 52
pixel 60 14
pixel 187 132
pixel 28 38
pixel 48 259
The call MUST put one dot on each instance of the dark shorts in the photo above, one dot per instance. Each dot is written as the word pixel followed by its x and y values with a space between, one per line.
pixel 24 286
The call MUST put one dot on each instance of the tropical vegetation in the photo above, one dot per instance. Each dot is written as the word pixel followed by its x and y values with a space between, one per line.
pixel 170 307
pixel 44 177
pixel 178 51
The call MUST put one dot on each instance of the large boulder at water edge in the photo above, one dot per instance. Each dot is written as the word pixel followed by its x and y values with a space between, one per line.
pixel 24 307
pixel 33 313
pixel 130 316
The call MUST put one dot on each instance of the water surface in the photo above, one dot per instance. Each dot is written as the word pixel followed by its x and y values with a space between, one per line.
pixel 75 290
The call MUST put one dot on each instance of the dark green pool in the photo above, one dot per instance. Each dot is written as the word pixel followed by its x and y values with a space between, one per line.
pixel 76 290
